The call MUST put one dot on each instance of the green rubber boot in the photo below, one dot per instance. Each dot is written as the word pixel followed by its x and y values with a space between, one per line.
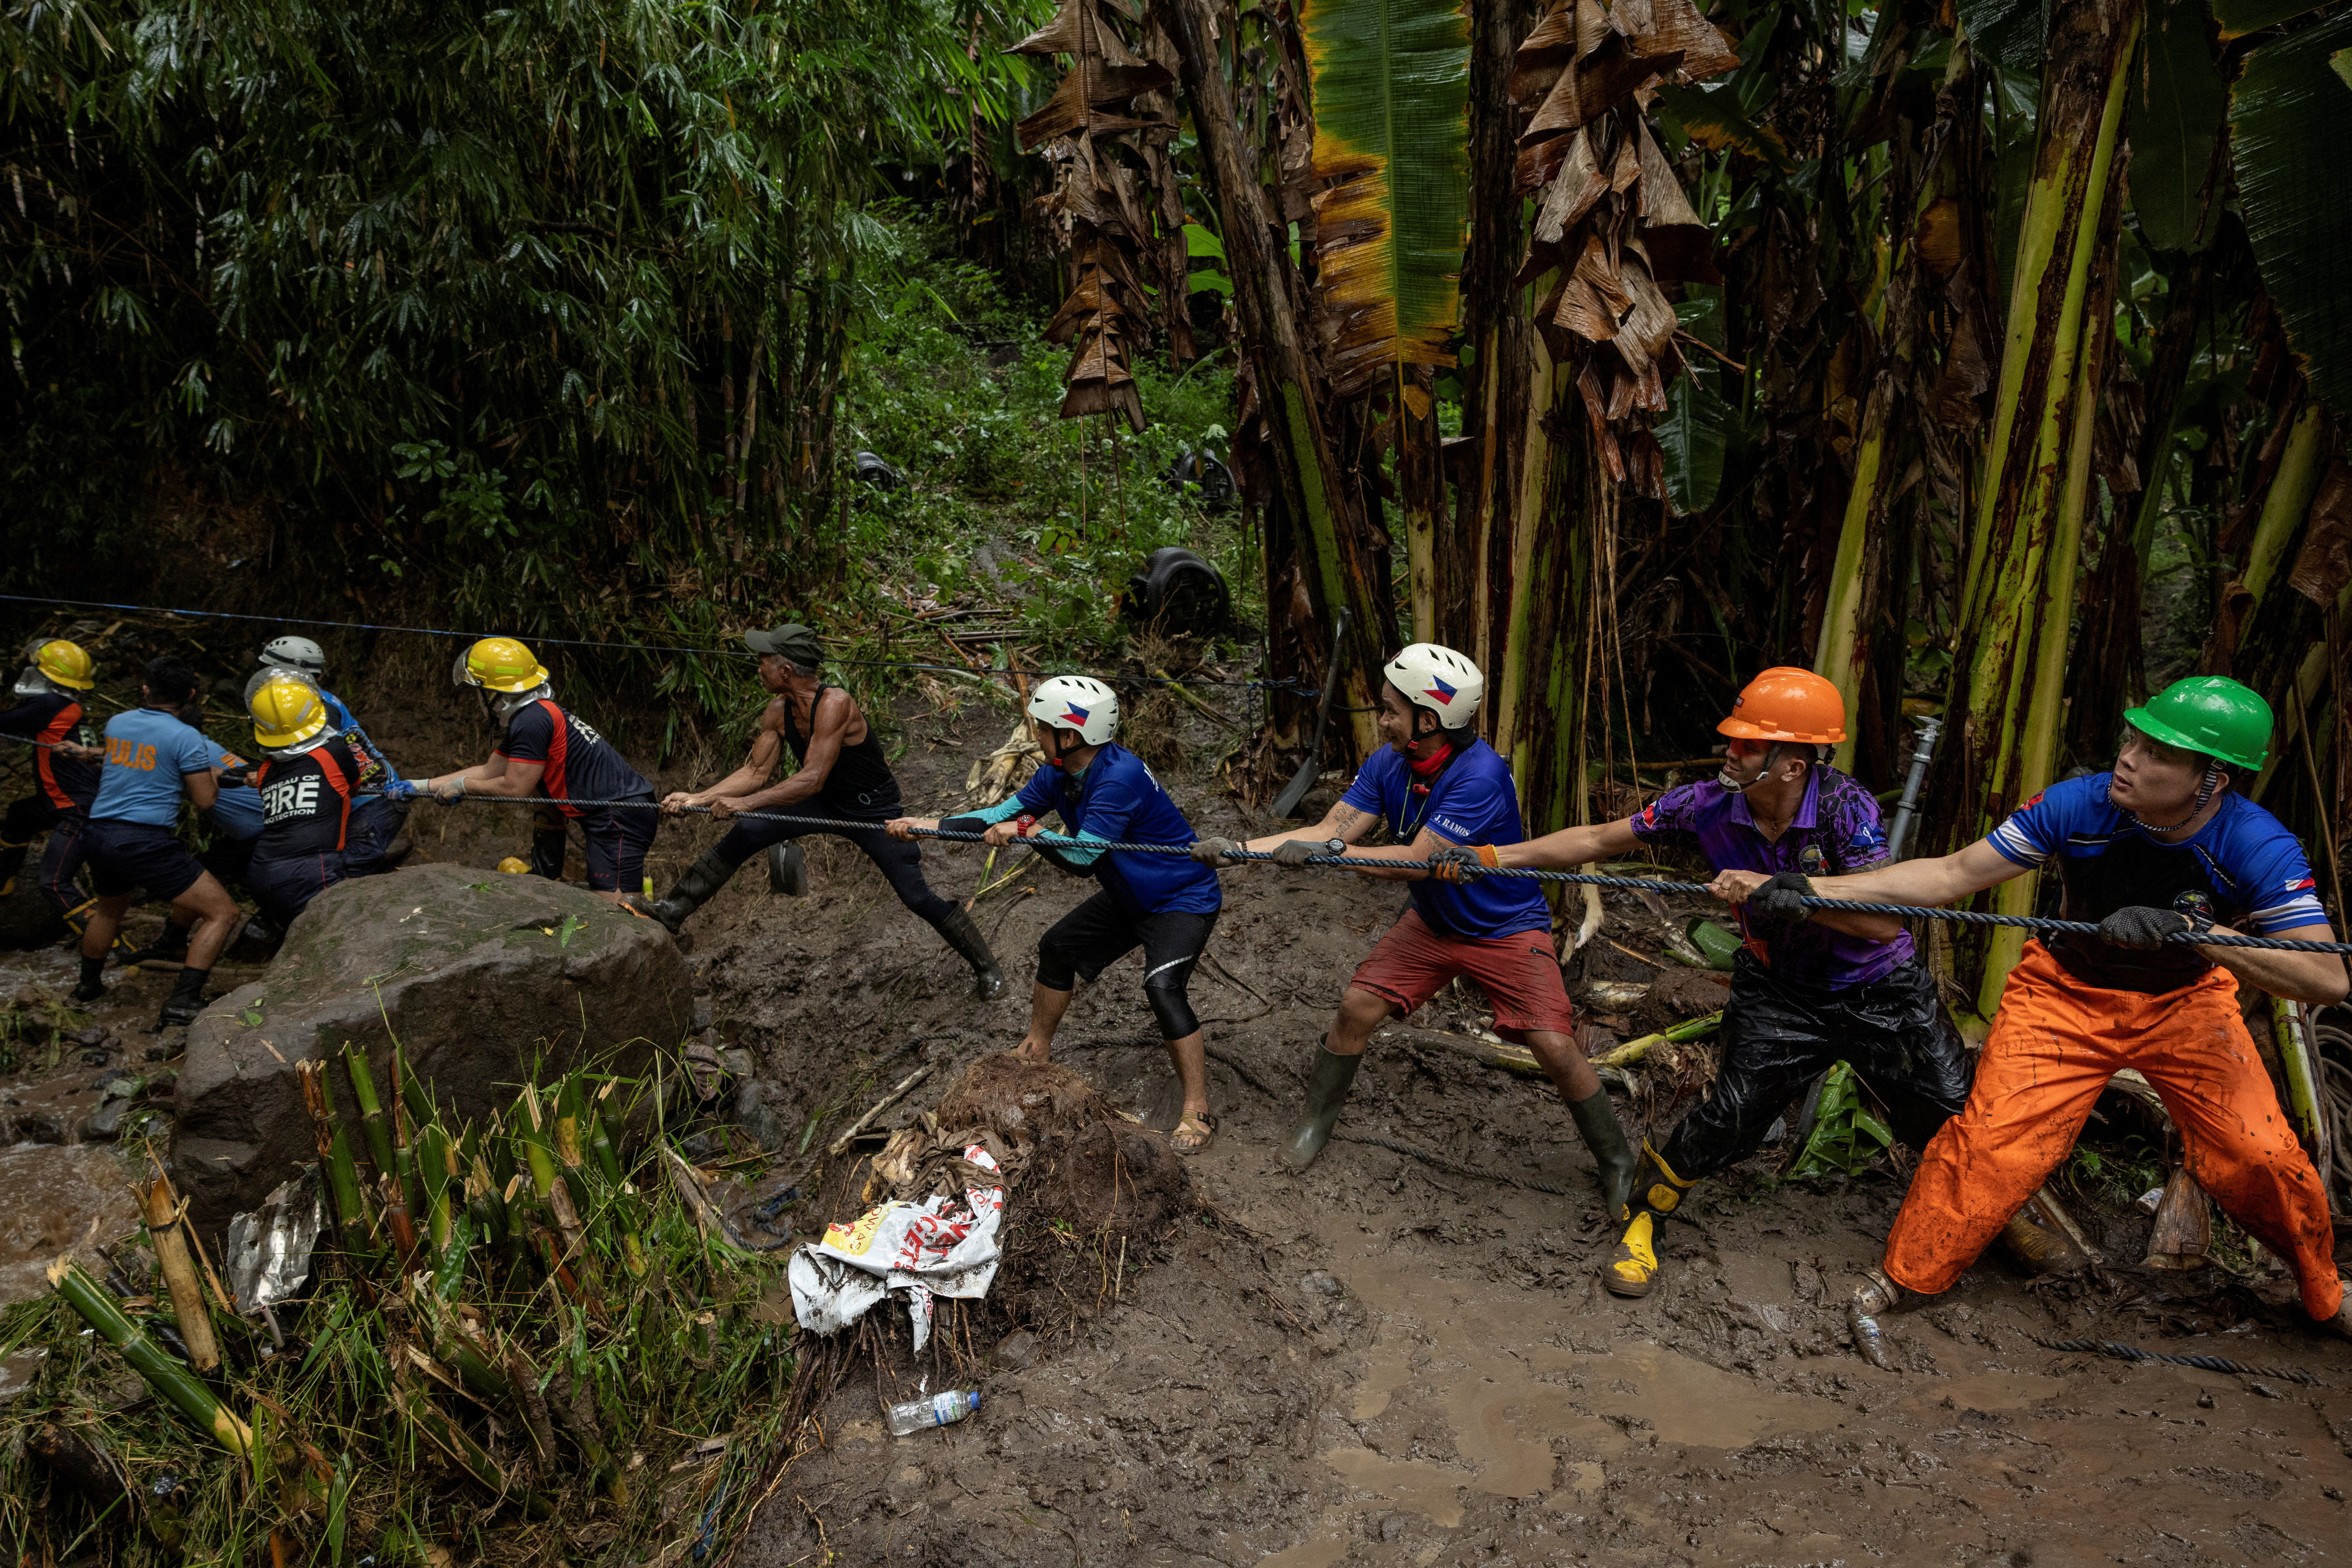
pixel 1596 1119
pixel 1327 1090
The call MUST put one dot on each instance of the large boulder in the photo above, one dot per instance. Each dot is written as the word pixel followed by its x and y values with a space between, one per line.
pixel 472 972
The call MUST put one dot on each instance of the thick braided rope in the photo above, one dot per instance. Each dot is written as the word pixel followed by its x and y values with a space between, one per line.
pixel 1636 884
pixel 2122 1351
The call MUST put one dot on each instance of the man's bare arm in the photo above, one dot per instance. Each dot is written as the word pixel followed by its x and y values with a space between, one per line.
pixel 766 747
pixel 1572 847
pixel 1342 821
pixel 828 726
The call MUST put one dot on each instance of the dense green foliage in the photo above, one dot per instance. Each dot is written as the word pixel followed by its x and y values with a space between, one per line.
pixel 546 303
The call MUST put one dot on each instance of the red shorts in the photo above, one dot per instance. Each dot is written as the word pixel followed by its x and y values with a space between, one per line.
pixel 1519 973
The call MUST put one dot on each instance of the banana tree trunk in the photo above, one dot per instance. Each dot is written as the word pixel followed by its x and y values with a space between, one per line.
pixel 1475 550
pixel 2018 594
pixel 1541 607
pixel 1271 301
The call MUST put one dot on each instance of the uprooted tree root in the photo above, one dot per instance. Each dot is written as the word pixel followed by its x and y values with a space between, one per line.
pixel 1090 1200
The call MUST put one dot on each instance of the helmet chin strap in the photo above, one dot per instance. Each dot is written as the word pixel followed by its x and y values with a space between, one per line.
pixel 2204 796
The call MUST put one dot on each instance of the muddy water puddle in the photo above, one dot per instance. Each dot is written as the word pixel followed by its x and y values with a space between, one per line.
pixel 59 1199
pixel 1465 1388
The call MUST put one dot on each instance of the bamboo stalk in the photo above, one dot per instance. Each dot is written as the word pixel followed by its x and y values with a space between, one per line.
pixel 370 1109
pixel 1510 1058
pixel 335 1158
pixel 164 1373
pixel 448 1436
pixel 906 1086
pixel 165 1220
pixel 1681 1034
pixel 399 1183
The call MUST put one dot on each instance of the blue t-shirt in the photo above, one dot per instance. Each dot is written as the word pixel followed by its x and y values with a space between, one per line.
pixel 2242 869
pixel 1117 799
pixel 147 752
pixel 238 813
pixel 349 729
pixel 1473 801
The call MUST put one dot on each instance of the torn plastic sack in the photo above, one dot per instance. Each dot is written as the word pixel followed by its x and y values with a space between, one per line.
pixel 935 1247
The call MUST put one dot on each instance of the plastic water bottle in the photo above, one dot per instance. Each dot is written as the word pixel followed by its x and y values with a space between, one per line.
pixel 913 1417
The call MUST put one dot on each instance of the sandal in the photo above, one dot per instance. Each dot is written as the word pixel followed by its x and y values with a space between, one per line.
pixel 1199 1127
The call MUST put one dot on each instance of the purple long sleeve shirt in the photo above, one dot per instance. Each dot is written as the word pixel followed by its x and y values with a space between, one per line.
pixel 1835 833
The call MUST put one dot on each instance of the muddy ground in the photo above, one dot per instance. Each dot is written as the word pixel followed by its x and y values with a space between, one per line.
pixel 1381 1363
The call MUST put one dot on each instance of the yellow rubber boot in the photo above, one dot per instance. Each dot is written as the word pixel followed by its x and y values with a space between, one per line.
pixel 1632 1266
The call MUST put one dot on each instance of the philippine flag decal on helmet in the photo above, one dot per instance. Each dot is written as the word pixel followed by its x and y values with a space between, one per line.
pixel 1440 690
pixel 1075 716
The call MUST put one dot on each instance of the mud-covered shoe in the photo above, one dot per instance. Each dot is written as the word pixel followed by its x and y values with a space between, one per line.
pixel 2341 1323
pixel 1632 1266
pixel 1876 1296
pixel 703 879
pixel 186 1001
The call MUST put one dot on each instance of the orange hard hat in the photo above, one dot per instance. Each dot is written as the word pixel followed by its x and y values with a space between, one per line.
pixel 1788 704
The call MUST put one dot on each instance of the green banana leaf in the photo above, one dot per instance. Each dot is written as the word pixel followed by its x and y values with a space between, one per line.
pixel 2239 17
pixel 2009 33
pixel 2178 102
pixel 1693 435
pixel 2286 120
pixel 1392 82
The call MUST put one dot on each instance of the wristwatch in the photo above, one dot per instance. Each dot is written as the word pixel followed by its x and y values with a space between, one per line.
pixel 1335 847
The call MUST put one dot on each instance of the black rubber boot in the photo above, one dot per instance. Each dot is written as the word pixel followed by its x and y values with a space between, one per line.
pixel 547 854
pixel 788 869
pixel 186 1000
pixel 703 879
pixel 92 985
pixel 1596 1119
pixel 12 860
pixel 961 931
pixel 170 947
pixel 1327 1090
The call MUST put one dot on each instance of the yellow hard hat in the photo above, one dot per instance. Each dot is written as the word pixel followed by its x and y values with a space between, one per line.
pixel 64 663
pixel 514 866
pixel 500 664
pixel 286 708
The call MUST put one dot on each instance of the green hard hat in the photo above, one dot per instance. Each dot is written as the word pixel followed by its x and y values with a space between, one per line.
pixel 2209 714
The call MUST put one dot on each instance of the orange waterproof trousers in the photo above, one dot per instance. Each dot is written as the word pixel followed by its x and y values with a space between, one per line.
pixel 2055 1042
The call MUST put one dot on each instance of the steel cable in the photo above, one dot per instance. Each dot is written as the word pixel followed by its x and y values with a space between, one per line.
pixel 1578 879
pixel 2122 1351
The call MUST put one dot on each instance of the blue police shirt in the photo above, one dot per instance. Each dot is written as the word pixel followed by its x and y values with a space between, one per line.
pixel 349 727
pixel 1473 801
pixel 147 750
pixel 237 812
pixel 1117 799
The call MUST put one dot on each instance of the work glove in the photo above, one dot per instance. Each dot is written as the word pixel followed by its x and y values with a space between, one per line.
pixel 1781 898
pixel 1293 852
pixel 1217 853
pixel 1460 862
pixel 2136 925
pixel 400 789
pixel 454 793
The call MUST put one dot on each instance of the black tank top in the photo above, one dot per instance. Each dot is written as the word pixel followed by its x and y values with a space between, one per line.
pixel 860 783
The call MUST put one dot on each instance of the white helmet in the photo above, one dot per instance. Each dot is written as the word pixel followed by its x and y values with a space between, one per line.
pixel 1439 679
pixel 1075 702
pixel 295 653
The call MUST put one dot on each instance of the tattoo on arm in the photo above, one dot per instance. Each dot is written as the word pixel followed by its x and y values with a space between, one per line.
pixel 1349 823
